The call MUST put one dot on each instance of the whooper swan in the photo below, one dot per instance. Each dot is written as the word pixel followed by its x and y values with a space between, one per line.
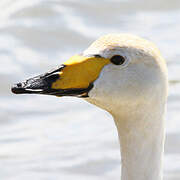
pixel 126 76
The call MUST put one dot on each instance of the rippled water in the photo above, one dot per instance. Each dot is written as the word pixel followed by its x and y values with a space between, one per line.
pixel 53 138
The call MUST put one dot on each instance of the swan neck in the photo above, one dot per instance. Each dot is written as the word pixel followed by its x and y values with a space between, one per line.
pixel 142 144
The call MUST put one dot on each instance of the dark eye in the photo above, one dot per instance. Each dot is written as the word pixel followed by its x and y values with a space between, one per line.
pixel 117 60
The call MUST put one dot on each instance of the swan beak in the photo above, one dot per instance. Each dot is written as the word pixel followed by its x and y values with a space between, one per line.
pixel 74 78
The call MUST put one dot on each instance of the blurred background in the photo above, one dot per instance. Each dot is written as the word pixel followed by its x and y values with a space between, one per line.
pixel 49 138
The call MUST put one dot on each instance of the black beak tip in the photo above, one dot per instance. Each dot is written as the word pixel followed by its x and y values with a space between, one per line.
pixel 17 88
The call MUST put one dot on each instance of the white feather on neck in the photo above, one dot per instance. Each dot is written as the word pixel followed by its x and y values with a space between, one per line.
pixel 141 135
pixel 141 139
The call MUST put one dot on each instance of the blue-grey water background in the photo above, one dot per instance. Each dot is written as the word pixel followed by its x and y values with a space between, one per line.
pixel 50 138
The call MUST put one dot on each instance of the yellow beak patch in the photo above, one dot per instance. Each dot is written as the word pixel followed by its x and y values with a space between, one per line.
pixel 79 72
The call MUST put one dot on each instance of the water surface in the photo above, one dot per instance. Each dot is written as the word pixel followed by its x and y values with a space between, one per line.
pixel 49 138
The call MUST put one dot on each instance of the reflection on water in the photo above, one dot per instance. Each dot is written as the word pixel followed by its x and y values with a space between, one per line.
pixel 45 137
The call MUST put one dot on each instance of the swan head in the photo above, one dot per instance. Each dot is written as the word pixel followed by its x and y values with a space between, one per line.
pixel 117 71
pixel 140 80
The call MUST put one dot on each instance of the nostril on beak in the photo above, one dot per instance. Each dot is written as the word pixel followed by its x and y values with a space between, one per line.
pixel 19 85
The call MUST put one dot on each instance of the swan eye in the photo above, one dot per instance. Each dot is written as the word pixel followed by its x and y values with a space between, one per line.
pixel 117 60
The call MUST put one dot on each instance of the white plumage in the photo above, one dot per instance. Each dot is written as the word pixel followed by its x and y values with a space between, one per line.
pixel 135 94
